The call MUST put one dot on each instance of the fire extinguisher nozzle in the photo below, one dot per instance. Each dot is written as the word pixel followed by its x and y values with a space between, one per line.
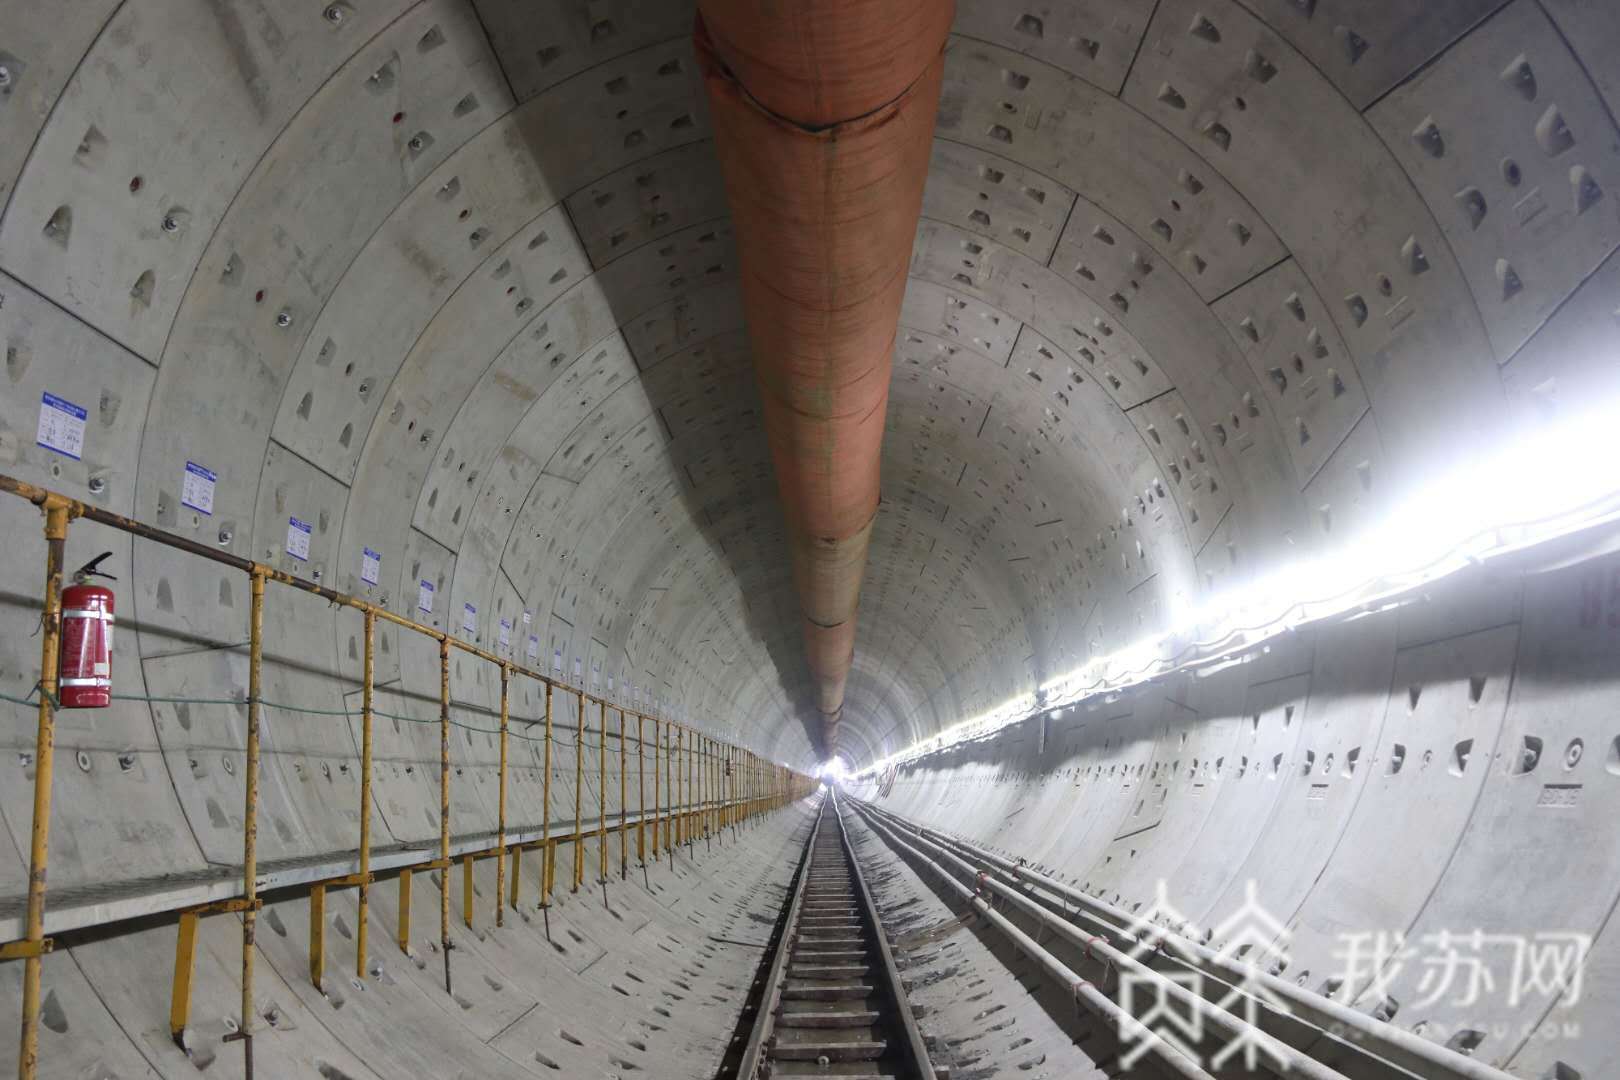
pixel 93 568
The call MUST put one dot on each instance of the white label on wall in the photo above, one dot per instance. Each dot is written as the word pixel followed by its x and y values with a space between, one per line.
pixel 534 648
pixel 469 618
pixel 298 533
pixel 528 616
pixel 370 566
pixel 506 635
pixel 424 596
pixel 610 682
pixel 556 659
pixel 61 426
pixel 197 488
pixel 576 668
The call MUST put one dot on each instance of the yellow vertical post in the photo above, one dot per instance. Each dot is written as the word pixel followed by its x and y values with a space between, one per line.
pixel 185 949
pixel 517 876
pixel 317 935
pixel 56 526
pixel 624 811
pixel 601 795
pixel 444 805
pixel 658 769
pixel 250 812
pixel 678 783
pixel 500 818
pixel 405 911
pixel 579 788
pixel 641 780
pixel 545 816
pixel 368 678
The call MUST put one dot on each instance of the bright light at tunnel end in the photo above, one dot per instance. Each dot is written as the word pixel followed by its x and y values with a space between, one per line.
pixel 1561 479
pixel 835 770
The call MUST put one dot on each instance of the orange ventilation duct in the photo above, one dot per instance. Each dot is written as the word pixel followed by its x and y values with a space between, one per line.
pixel 823 119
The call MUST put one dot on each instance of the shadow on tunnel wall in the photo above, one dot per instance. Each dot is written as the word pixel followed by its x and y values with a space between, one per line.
pixel 657 233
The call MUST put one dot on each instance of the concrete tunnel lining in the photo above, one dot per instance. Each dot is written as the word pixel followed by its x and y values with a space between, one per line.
pixel 1200 287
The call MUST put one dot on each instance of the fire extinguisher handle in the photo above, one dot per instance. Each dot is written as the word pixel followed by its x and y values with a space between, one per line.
pixel 92 568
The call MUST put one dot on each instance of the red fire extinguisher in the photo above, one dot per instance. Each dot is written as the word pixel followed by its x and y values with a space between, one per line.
pixel 84 675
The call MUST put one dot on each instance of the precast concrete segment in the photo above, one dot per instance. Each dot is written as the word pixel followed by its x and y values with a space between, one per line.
pixel 824 119
pixel 1171 1055
pixel 1182 214
pixel 1198 288
pixel 596 996
pixel 1269 783
pixel 982 1003
pixel 1033 892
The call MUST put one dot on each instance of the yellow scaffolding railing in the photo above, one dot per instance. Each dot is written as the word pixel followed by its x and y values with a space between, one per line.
pixel 769 786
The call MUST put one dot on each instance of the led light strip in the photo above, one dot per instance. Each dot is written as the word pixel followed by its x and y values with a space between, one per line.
pixel 1562 480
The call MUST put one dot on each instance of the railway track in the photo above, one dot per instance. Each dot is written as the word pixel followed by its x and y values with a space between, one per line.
pixel 834 1004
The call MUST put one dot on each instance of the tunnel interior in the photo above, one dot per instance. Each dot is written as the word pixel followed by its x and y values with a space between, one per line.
pixel 436 304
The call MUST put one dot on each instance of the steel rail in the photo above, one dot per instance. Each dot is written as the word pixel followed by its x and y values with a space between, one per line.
pixel 1085 993
pixel 1401 1047
pixel 1284 1060
pixel 914 1049
pixel 765 1022
pixel 59 511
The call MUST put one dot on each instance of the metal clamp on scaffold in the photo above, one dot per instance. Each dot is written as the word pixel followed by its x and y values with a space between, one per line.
pixel 23 950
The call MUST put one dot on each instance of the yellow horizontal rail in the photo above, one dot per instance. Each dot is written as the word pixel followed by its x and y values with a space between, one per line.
pixel 697 769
